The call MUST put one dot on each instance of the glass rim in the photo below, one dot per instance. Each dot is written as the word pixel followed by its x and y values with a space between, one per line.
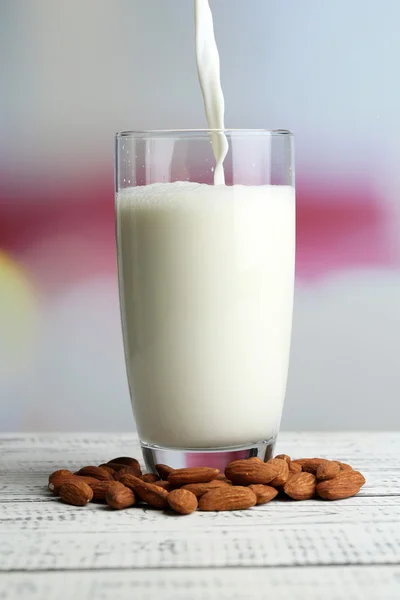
pixel 159 133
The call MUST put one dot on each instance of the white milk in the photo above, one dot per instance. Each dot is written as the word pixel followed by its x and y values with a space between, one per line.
pixel 206 282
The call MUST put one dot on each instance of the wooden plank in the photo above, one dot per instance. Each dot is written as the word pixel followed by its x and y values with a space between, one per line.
pixel 333 583
pixel 31 485
pixel 375 454
pixel 57 517
pixel 46 452
pixel 367 445
pixel 323 544
pixel 37 532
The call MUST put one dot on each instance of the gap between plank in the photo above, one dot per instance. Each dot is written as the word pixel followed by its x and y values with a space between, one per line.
pixel 205 568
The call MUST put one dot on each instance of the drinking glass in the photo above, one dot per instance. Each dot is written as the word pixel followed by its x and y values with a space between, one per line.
pixel 206 278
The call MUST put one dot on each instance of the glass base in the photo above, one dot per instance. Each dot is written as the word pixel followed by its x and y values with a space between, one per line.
pixel 200 457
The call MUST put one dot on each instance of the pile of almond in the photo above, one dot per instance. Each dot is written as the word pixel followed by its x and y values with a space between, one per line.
pixel 245 483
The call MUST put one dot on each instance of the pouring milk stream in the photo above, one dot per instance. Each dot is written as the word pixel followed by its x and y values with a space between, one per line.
pixel 207 58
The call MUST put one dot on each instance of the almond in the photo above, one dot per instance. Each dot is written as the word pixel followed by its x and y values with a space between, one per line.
pixel 119 496
pixel 344 466
pixel 125 471
pixel 300 486
pixel 228 498
pixel 109 469
pixel 85 479
pixel 59 477
pixel 327 470
pixel 150 478
pixel 198 489
pixel 152 494
pixel 264 493
pixel 294 468
pixel 221 477
pixel 100 489
pixel 164 471
pixel 164 484
pixel 118 466
pixel 356 475
pixel 344 485
pixel 76 492
pixel 180 477
pixel 245 472
pixel 182 501
pixel 127 461
pixel 283 471
pixel 309 465
pixel 284 457
pixel 96 472
pixel 130 481
pixel 58 481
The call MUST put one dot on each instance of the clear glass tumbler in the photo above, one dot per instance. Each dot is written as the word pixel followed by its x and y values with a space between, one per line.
pixel 206 278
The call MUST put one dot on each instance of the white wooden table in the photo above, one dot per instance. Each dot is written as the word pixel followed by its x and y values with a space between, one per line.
pixel 314 550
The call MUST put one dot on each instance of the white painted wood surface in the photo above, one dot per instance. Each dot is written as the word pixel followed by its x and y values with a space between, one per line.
pixel 285 550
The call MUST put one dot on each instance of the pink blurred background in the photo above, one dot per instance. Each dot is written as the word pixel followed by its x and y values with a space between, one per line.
pixel 74 73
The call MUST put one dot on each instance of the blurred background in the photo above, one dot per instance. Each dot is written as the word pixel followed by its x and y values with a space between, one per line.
pixel 73 73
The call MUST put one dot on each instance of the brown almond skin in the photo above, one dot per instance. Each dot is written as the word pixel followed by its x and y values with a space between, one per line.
pixel 152 494
pixel 221 477
pixel 180 477
pixel 163 471
pixel 119 497
pixel 150 478
pixel 109 469
pixel 294 468
pixel 300 486
pixel 344 466
pixel 198 489
pixel 309 465
pixel 96 472
pixel 125 471
pixel 100 489
pixel 127 461
pixel 57 483
pixel 355 475
pixel 85 478
pixel 57 478
pixel 284 457
pixel 60 473
pixel 327 470
pixel 76 492
pixel 228 498
pixel 164 484
pixel 264 493
pixel 283 471
pixel 246 472
pixel 182 501
pixel 130 481
pixel 118 466
pixel 344 485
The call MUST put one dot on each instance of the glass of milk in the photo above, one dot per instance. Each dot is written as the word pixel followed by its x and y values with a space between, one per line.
pixel 206 277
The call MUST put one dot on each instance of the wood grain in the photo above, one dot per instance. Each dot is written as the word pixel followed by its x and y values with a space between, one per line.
pixel 313 549
pixel 313 583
